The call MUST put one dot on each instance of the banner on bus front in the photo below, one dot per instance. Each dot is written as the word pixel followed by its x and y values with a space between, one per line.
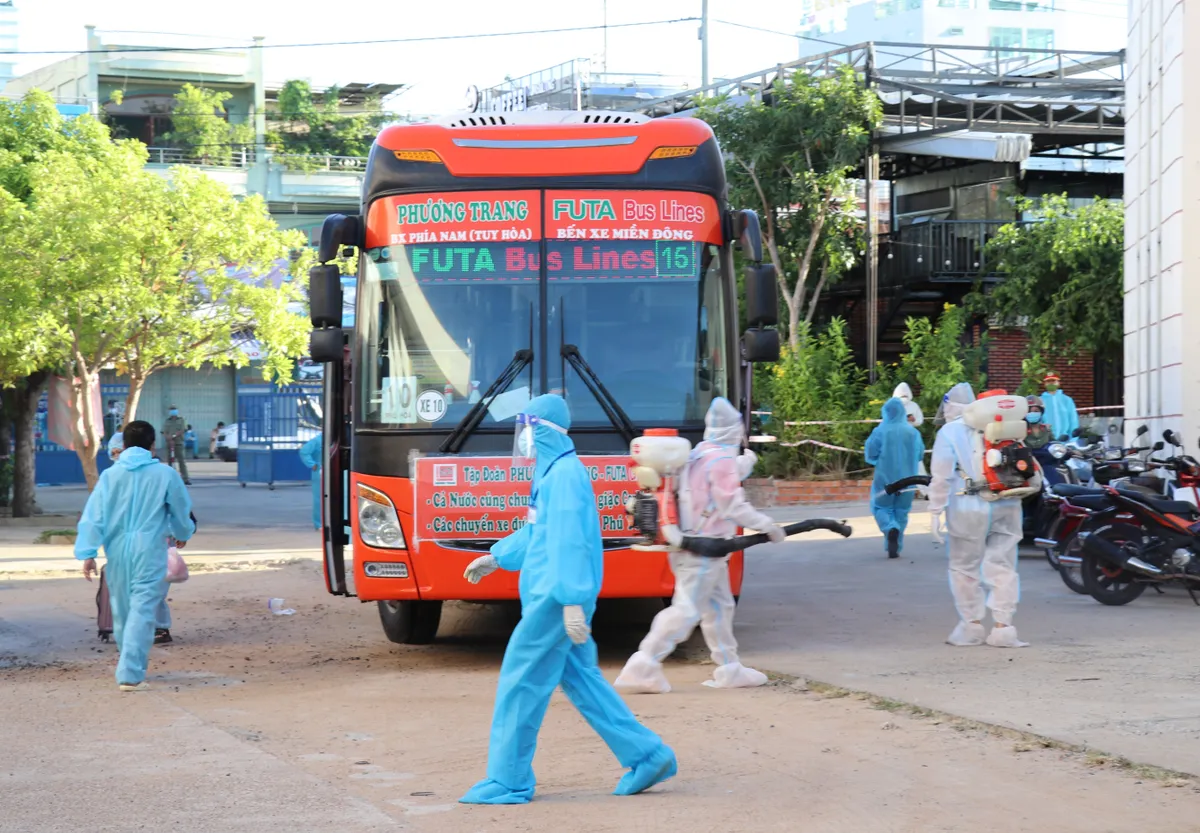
pixel 488 497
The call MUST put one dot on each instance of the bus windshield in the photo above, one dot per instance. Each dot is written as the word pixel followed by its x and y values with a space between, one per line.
pixel 444 306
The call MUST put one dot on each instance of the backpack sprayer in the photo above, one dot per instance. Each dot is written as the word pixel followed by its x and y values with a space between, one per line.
pixel 660 459
pixel 1007 464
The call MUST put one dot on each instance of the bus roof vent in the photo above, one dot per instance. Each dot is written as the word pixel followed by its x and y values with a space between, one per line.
pixel 530 117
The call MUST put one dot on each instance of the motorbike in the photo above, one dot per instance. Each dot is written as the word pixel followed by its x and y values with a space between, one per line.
pixel 1074 505
pixel 1159 544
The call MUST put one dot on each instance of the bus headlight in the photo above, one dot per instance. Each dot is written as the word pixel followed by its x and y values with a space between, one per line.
pixel 378 524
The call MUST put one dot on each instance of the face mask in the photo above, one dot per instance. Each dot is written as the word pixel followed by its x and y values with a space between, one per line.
pixel 173 412
pixel 526 444
pixel 1033 418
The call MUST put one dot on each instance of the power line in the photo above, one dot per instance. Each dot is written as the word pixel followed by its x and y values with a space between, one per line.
pixel 427 39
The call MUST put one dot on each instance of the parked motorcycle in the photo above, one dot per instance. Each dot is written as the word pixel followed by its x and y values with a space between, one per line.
pixel 1120 559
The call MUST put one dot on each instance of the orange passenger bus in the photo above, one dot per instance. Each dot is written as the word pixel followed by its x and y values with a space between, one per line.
pixel 500 257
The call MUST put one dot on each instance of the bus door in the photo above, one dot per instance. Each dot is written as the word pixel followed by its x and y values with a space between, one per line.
pixel 335 456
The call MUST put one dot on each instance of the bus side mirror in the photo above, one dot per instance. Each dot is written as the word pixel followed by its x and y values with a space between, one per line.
pixel 325 296
pixel 762 295
pixel 327 345
pixel 339 230
pixel 748 234
pixel 760 346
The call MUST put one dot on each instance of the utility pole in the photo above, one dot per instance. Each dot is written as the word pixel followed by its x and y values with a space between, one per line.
pixel 604 60
pixel 704 43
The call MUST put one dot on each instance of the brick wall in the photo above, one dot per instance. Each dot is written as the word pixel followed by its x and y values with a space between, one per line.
pixel 1007 349
pixel 771 492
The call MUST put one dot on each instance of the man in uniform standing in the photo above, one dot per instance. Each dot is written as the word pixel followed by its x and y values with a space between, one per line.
pixel 173 430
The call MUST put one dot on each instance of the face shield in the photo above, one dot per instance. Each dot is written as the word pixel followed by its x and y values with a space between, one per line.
pixel 524 446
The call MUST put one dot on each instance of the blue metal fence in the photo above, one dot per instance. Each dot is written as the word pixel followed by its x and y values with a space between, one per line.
pixel 273 422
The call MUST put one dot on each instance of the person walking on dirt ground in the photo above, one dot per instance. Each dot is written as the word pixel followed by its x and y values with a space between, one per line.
pixel 713 505
pixel 560 556
pixel 135 506
pixel 173 431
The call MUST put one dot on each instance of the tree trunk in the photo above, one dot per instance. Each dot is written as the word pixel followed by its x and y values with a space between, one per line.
pixel 812 305
pixel 25 399
pixel 6 438
pixel 85 422
pixel 137 381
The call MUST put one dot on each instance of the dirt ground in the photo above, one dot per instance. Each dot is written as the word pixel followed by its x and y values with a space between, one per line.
pixel 314 722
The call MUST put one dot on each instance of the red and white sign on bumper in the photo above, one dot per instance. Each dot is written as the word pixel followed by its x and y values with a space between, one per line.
pixel 488 497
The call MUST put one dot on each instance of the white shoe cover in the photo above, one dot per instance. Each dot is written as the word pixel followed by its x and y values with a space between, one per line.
pixel 1005 638
pixel 736 675
pixel 966 635
pixel 642 675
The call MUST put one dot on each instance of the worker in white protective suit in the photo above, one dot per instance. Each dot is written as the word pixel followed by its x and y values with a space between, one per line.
pixel 983 534
pixel 916 418
pixel 714 505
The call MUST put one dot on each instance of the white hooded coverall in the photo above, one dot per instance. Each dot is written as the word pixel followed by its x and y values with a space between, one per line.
pixel 983 535
pixel 703 594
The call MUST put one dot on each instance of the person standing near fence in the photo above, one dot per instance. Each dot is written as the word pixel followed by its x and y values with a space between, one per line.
pixel 173 438
pixel 310 456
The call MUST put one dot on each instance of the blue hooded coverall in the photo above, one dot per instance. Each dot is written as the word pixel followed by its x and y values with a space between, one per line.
pixel 895 449
pixel 1060 415
pixel 561 563
pixel 136 504
pixel 310 456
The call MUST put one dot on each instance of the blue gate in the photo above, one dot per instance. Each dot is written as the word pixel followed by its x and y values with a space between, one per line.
pixel 273 422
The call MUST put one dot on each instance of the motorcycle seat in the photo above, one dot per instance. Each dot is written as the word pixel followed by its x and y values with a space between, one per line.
pixel 1166 507
pixel 1073 490
pixel 1093 502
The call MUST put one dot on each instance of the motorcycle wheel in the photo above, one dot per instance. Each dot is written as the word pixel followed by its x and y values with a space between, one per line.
pixel 1105 583
pixel 1072 575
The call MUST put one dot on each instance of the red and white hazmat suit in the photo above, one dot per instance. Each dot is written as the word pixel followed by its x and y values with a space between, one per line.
pixel 712 504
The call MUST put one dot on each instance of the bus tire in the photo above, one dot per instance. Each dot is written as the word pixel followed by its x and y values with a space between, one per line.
pixel 410 623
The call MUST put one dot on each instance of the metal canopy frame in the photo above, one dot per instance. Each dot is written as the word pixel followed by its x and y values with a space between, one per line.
pixel 1071 97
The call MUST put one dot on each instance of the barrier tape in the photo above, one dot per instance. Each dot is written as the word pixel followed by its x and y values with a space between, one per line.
pixel 799 443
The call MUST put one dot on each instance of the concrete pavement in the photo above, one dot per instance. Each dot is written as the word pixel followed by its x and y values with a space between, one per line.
pixel 1123 680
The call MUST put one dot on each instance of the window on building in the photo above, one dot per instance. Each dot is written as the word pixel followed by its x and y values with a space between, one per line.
pixel 1039 38
pixel 1005 5
pixel 1004 41
pixel 886 8
pixel 910 5
pixel 952 32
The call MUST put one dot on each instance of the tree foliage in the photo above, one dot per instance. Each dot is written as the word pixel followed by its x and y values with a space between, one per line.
pixel 200 125
pixel 106 264
pixel 790 159
pixel 1062 277
pixel 819 381
pixel 303 128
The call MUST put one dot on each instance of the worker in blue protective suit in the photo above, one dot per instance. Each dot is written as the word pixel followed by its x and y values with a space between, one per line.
pixel 310 456
pixel 162 616
pixel 895 449
pixel 1061 415
pixel 558 553
pixel 984 535
pixel 136 505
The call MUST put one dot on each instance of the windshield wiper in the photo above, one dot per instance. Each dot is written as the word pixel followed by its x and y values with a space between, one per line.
pixel 473 417
pixel 608 403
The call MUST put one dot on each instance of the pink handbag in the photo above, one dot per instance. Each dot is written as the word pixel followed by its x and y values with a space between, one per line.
pixel 177 570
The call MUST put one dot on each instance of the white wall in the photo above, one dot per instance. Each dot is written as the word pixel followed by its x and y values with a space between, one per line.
pixel 1162 246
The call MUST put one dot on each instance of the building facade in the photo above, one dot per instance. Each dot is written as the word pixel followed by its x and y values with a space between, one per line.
pixel 1162 260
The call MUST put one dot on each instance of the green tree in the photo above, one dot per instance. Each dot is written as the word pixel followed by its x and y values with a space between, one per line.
pixel 1062 277
pixel 30 128
pixel 303 129
pixel 200 125
pixel 791 159
pixel 115 265
pixel 937 357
